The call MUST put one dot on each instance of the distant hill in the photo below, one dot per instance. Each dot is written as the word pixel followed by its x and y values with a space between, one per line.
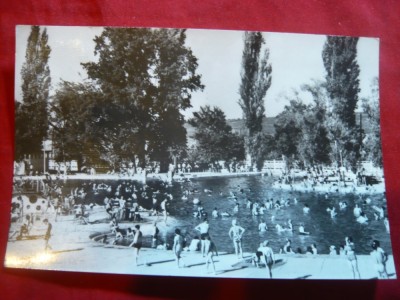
pixel 238 126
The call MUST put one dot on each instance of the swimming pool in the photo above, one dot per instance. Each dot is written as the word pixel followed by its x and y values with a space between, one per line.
pixel 217 192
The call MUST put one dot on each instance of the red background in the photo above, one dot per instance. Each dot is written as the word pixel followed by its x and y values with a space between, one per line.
pixel 358 18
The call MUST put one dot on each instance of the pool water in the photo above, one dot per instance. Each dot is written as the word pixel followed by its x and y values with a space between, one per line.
pixel 216 193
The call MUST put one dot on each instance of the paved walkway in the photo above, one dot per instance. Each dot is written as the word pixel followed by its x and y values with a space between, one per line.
pixel 74 251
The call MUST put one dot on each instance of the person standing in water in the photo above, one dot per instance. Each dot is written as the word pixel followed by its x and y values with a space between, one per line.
pixel 351 257
pixel 262 227
pixel 236 233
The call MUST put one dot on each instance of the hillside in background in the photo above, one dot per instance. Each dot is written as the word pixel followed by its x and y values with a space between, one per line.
pixel 239 127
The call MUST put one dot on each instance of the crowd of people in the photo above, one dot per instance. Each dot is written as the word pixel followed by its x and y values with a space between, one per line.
pixel 122 205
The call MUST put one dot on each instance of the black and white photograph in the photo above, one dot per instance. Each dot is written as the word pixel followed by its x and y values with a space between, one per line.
pixel 198 153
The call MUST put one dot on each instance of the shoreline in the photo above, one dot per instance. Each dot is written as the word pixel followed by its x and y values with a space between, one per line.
pixel 140 177
pixel 298 186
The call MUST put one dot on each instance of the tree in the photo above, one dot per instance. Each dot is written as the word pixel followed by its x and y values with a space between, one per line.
pixel 73 123
pixel 372 142
pixel 146 77
pixel 215 139
pixel 316 146
pixel 176 78
pixel 31 115
pixel 256 80
pixel 342 80
pixel 300 130
pixel 289 126
pixel 340 60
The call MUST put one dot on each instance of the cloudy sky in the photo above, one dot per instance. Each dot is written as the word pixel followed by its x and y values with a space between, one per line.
pixel 295 59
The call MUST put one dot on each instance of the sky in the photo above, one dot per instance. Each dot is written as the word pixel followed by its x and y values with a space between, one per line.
pixel 296 59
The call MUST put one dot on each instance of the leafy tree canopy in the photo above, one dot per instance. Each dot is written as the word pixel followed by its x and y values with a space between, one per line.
pixel 372 141
pixel 146 77
pixel 215 139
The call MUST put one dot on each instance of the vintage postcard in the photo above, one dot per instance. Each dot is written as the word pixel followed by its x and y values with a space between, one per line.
pixel 199 153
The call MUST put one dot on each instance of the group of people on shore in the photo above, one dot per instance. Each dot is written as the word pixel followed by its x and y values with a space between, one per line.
pixel 347 250
pixel 378 256
pixel 264 255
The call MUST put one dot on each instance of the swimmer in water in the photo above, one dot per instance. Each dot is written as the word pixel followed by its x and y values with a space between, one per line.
pixel 261 209
pixel 277 204
pixel 306 209
pixel 380 212
pixel 254 210
pixel 290 225
pixel 262 227
pixel 333 212
pixel 386 223
pixel 280 228
pixel 332 251
pixel 302 231
pixel 342 205
pixel 362 219
pixel 287 249
pixel 249 204
pixel 357 211
pixel 268 204
pixel 314 249
pixel 225 214
pixel 215 213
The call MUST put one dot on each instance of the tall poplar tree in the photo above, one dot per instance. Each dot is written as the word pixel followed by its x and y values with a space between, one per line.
pixel 340 60
pixel 256 80
pixel 31 120
pixel 342 82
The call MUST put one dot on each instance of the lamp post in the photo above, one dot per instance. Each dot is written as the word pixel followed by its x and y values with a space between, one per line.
pixel 44 159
